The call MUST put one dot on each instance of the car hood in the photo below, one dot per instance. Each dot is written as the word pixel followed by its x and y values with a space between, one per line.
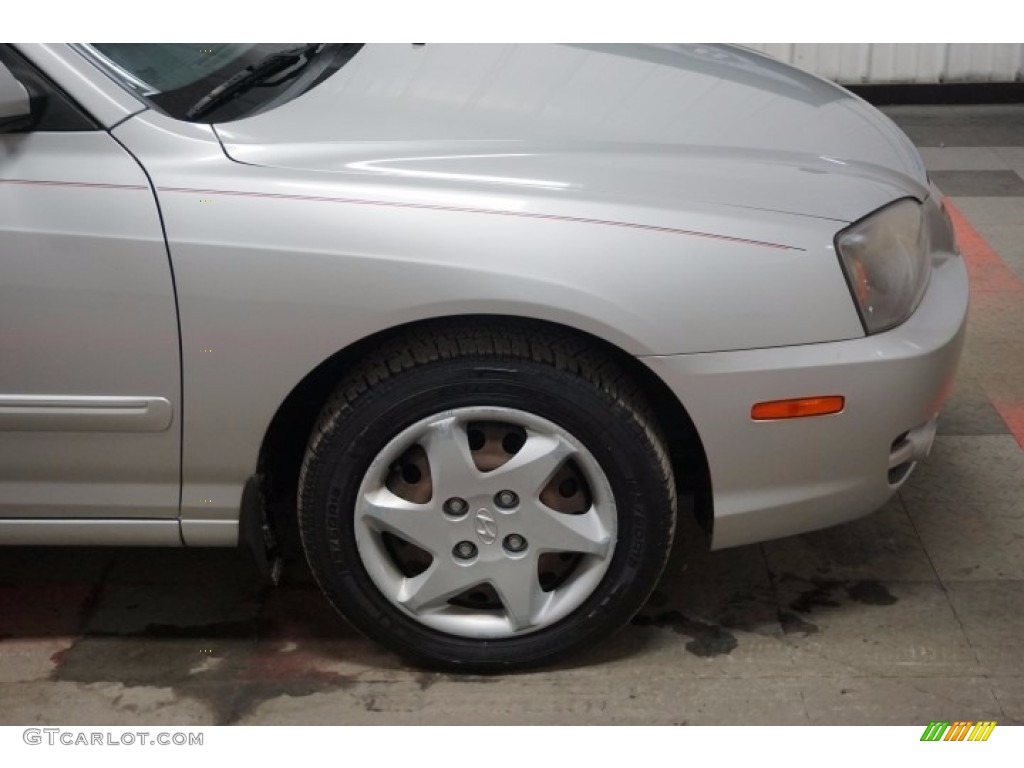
pixel 661 126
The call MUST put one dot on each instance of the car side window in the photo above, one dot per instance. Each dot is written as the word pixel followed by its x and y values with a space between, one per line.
pixel 52 109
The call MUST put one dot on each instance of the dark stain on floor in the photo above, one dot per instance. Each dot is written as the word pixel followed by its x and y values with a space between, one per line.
pixel 286 647
pixel 706 639
pixel 825 593
pixel 793 624
pixel 427 679
pixel 821 595
pixel 289 641
pixel 870 593
pixel 232 677
pixel 749 610
pixel 757 612
pixel 231 703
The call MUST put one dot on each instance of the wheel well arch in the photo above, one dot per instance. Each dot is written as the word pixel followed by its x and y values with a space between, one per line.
pixel 284 442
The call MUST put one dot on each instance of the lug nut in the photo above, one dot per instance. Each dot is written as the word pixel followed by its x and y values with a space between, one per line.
pixel 515 543
pixel 465 550
pixel 506 499
pixel 455 506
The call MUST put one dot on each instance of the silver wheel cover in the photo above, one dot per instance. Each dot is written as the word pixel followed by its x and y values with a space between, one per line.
pixel 434 594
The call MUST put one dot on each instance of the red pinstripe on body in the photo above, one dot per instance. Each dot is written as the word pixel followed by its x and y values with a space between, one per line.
pixel 415 206
pixel 71 184
pixel 484 211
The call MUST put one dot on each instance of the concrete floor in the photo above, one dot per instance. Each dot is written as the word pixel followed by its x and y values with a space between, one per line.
pixel 913 614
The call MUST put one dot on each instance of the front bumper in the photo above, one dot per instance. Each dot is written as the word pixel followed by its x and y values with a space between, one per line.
pixel 776 478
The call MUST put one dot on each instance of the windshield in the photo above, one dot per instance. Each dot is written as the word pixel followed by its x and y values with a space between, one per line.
pixel 174 77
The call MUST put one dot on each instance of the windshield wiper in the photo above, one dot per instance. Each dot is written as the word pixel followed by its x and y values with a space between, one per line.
pixel 287 64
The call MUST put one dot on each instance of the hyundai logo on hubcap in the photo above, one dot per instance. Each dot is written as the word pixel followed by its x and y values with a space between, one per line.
pixel 486 526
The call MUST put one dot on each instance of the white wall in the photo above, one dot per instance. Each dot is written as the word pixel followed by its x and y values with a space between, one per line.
pixel 904 62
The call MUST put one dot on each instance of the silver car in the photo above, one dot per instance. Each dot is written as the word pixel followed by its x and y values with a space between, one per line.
pixel 468 322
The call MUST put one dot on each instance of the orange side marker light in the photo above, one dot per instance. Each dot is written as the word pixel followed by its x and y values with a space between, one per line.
pixel 797 408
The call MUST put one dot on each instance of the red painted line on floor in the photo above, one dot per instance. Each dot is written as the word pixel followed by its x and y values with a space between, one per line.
pixel 986 270
pixel 1012 412
pixel 988 274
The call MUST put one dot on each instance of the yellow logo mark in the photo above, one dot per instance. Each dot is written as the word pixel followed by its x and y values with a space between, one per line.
pixel 206 501
pixel 981 731
pixel 207 350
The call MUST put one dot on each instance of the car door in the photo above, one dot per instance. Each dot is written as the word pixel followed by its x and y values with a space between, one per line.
pixel 90 382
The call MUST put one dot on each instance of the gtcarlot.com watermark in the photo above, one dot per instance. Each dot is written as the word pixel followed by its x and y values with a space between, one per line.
pixel 71 738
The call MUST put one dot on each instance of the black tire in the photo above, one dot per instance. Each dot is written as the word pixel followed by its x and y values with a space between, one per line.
pixel 552 374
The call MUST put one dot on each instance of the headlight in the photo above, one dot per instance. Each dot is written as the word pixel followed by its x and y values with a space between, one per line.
pixel 887 262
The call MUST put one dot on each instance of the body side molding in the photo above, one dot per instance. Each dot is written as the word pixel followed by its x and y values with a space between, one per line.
pixel 90 533
pixel 84 413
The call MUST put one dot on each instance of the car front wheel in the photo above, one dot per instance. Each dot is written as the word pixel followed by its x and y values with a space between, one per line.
pixel 486 499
